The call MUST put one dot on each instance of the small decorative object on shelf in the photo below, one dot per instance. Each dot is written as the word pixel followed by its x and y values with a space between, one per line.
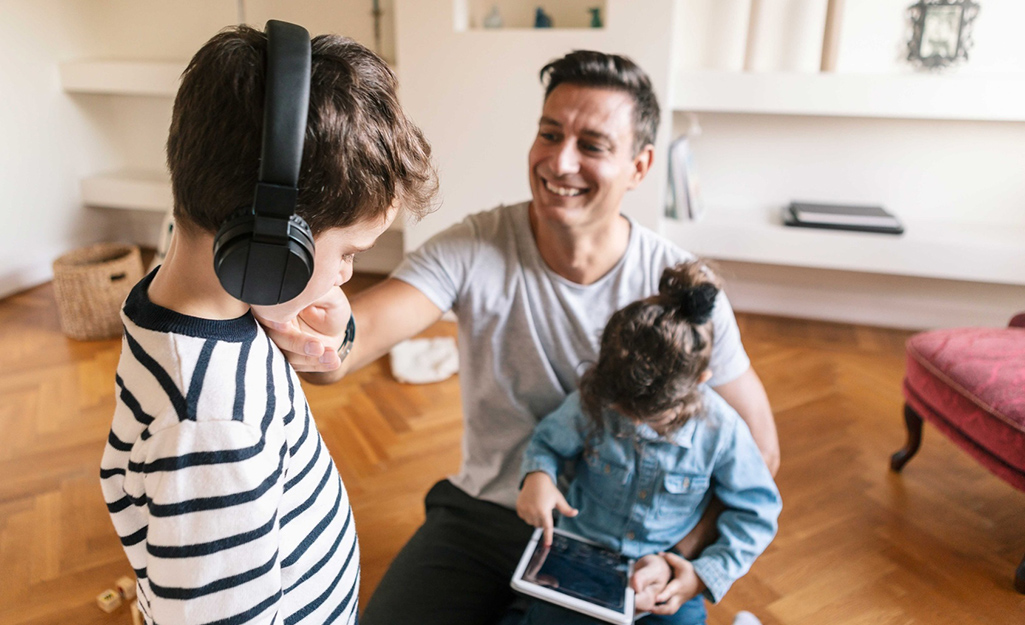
pixel 842 217
pixel 596 17
pixel 542 19
pixel 493 19
pixel 136 614
pixel 941 32
pixel 684 188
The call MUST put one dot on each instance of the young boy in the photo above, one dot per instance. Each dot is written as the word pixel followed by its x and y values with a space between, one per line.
pixel 227 502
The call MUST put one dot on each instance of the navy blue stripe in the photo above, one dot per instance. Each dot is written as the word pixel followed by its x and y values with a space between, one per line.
pixel 240 381
pixel 119 505
pixel 105 473
pixel 291 392
pixel 248 615
pixel 272 397
pixel 302 438
pixel 131 403
pixel 341 606
pixel 309 502
pixel 315 533
pixel 232 581
pixel 313 605
pixel 117 443
pixel 205 549
pixel 136 538
pixel 198 375
pixel 140 574
pixel 223 501
pixel 172 391
pixel 198 458
pixel 295 480
pixel 327 556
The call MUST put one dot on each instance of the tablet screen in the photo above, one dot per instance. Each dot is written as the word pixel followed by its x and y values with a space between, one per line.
pixel 580 570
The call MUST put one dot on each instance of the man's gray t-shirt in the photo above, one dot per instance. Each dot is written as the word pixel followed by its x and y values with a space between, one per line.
pixel 526 334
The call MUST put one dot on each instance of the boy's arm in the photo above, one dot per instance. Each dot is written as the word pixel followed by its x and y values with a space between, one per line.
pixel 212 534
pixel 749 521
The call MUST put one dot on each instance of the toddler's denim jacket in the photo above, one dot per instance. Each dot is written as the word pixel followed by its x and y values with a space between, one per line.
pixel 640 493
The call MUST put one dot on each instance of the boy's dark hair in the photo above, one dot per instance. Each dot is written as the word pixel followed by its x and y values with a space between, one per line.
pixel 654 351
pixel 588 68
pixel 361 152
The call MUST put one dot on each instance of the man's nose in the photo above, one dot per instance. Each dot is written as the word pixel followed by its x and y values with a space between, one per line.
pixel 567 160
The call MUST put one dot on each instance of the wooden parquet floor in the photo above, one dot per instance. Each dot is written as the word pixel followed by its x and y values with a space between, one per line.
pixel 858 545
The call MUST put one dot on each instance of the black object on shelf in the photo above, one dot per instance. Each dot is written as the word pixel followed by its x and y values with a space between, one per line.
pixel 842 217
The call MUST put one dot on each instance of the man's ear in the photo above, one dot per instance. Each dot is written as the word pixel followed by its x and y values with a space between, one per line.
pixel 705 376
pixel 642 164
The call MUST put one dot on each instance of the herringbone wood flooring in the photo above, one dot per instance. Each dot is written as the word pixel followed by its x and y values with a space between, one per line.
pixel 857 545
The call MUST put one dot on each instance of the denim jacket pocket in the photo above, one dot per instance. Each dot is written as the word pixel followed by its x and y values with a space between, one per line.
pixel 680 494
pixel 607 481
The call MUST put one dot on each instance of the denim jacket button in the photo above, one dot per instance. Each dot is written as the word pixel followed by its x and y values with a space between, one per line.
pixel 643 494
pixel 629 535
pixel 608 469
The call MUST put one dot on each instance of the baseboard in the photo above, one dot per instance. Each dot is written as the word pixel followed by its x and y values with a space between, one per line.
pixel 869 299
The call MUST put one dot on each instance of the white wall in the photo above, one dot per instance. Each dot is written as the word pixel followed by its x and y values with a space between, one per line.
pixel 47 143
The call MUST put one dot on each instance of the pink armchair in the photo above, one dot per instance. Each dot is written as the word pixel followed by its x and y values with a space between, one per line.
pixel 970 384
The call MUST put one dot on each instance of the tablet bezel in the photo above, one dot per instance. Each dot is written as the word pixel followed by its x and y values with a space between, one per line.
pixel 554 596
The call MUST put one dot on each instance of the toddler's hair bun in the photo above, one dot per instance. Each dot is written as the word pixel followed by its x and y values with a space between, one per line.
pixel 690 289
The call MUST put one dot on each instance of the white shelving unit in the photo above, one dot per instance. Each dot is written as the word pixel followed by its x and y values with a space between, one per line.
pixel 133 190
pixel 970 252
pixel 137 78
pixel 900 96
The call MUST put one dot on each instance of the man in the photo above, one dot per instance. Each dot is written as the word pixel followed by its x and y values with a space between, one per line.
pixel 532 285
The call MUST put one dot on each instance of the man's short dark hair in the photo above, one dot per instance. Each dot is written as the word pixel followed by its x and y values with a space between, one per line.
pixel 361 152
pixel 588 68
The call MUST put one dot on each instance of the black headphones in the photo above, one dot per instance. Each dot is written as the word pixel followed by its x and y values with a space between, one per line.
pixel 263 254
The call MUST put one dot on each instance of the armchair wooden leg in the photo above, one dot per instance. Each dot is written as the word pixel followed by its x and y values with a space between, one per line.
pixel 914 426
pixel 1019 577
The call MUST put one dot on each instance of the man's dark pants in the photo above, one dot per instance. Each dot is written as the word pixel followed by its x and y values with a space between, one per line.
pixel 456 568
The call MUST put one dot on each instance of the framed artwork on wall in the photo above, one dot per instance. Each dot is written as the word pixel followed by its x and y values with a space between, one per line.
pixel 941 32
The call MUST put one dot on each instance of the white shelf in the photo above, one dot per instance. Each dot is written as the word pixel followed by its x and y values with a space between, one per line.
pixel 969 252
pixel 900 96
pixel 133 190
pixel 143 78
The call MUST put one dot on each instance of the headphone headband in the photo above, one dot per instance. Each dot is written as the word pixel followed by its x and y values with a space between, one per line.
pixel 286 103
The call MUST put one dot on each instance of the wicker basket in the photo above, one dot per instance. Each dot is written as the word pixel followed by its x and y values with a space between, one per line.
pixel 90 284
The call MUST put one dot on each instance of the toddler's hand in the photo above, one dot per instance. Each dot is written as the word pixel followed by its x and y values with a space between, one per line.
pixel 538 497
pixel 684 586
pixel 651 574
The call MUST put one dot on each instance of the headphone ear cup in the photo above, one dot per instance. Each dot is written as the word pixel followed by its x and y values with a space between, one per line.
pixel 231 250
pixel 258 272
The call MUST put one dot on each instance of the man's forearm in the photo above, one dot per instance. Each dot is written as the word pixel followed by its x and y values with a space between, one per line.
pixel 704 533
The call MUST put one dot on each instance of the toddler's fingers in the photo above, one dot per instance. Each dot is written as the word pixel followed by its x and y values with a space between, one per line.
pixel 546 523
pixel 564 508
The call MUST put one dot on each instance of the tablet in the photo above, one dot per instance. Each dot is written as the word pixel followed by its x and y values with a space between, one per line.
pixel 578 574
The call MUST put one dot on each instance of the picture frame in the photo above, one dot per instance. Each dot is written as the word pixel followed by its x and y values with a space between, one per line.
pixel 941 32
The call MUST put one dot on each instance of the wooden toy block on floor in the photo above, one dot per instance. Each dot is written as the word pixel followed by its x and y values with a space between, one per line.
pixel 136 614
pixel 108 600
pixel 125 587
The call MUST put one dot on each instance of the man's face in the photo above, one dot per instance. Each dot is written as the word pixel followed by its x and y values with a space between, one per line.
pixel 332 264
pixel 582 161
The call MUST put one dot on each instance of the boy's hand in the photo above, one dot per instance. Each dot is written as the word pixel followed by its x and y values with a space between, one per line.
pixel 310 341
pixel 538 497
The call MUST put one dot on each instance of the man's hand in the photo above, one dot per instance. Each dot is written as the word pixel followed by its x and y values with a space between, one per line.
pixel 311 340
pixel 538 497
pixel 653 594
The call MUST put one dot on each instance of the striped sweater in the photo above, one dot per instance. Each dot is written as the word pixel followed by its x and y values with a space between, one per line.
pixel 225 497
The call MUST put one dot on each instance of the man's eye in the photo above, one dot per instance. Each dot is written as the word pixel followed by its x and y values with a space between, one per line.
pixel 591 147
pixel 547 136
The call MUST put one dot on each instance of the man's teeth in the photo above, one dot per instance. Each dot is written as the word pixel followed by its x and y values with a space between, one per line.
pixel 563 191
